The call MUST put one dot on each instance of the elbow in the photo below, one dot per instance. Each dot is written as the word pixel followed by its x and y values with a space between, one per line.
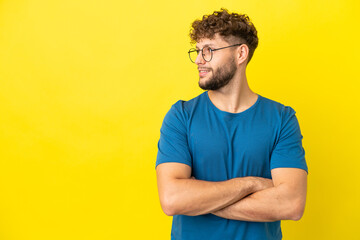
pixel 168 210
pixel 297 215
pixel 297 211
pixel 171 205
pixel 168 205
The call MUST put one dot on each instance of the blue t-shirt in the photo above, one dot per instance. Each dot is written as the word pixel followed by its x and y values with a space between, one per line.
pixel 220 145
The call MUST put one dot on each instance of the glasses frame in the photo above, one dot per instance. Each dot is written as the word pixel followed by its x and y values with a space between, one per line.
pixel 211 51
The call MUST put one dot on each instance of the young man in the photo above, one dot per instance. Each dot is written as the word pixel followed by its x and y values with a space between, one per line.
pixel 230 163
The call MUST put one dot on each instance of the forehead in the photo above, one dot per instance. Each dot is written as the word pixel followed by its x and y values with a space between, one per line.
pixel 217 40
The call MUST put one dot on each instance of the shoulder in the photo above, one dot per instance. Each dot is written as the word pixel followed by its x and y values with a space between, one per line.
pixel 284 119
pixel 181 110
pixel 275 105
pixel 276 109
pixel 185 108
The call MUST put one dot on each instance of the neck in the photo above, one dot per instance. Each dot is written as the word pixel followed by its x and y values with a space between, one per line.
pixel 235 97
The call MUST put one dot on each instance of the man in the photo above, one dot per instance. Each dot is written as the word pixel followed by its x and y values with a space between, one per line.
pixel 230 163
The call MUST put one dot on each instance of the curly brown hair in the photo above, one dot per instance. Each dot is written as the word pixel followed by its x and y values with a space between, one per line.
pixel 228 25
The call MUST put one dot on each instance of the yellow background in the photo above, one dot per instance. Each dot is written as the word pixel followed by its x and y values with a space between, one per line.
pixel 84 87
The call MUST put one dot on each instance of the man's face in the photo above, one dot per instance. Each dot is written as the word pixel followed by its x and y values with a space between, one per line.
pixel 221 69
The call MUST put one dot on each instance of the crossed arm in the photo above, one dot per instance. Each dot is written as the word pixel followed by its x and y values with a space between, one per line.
pixel 247 198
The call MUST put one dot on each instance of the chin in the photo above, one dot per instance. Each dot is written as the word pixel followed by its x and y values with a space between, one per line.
pixel 202 84
pixel 203 80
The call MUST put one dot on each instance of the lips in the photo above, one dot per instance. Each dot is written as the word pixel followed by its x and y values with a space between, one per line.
pixel 203 72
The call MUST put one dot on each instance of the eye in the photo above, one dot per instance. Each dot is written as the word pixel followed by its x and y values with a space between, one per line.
pixel 207 50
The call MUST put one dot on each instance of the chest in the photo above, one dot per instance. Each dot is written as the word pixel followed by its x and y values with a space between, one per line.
pixel 226 148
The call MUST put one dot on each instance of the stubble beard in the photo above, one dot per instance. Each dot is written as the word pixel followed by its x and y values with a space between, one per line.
pixel 220 77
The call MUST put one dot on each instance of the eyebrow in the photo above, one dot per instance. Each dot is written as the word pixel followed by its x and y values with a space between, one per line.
pixel 206 45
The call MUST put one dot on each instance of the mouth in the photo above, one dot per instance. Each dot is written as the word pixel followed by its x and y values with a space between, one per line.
pixel 203 72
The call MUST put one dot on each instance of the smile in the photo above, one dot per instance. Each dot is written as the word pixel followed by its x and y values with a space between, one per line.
pixel 203 73
pixel 203 70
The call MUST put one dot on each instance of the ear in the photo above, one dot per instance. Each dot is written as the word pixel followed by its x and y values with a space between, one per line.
pixel 242 54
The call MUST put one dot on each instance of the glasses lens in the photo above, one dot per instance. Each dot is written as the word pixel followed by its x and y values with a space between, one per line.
pixel 193 53
pixel 207 54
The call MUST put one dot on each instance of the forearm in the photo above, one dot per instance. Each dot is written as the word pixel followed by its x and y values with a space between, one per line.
pixel 268 205
pixel 196 197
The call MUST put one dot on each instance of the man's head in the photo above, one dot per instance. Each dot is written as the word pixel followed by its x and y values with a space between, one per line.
pixel 235 38
pixel 232 27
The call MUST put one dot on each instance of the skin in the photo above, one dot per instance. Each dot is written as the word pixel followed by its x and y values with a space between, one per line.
pixel 181 194
pixel 220 76
pixel 236 96
pixel 247 198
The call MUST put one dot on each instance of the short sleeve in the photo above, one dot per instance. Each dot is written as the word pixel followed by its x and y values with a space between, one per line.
pixel 173 143
pixel 288 151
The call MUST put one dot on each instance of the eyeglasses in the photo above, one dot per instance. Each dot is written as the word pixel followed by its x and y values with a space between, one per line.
pixel 206 52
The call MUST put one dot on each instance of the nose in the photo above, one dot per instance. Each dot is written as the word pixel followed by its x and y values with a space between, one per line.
pixel 199 59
